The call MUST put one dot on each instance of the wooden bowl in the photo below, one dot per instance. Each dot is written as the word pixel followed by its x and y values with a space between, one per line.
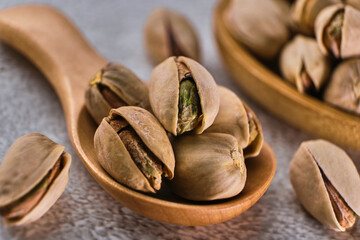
pixel 281 99
pixel 61 52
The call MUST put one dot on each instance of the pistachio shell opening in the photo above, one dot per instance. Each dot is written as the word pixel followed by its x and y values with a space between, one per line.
pixel 256 137
pixel 33 175
pixel 326 182
pixel 167 33
pixel 112 87
pixel 209 166
pixel 183 95
pixel 134 149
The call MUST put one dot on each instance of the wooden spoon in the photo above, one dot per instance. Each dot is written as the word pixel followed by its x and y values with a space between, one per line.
pixel 59 50
pixel 281 99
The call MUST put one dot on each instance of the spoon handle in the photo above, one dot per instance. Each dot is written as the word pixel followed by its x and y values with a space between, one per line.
pixel 56 47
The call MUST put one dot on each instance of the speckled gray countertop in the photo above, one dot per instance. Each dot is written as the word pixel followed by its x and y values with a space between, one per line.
pixel 85 210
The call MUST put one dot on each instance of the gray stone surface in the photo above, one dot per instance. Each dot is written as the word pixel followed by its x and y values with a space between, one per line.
pixel 85 210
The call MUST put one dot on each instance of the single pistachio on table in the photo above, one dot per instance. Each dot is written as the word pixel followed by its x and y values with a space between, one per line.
pixel 256 137
pixel 343 89
pixel 167 33
pixel 303 65
pixel 304 13
pixel 327 183
pixel 134 149
pixel 209 166
pixel 33 175
pixel 260 25
pixel 112 87
pixel 231 118
pixel 183 95
pixel 337 31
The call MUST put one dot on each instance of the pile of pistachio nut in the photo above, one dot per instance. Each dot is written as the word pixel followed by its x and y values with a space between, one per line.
pixel 316 43
pixel 182 126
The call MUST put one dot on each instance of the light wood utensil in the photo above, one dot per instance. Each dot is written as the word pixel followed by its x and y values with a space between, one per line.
pixel 60 51
pixel 281 99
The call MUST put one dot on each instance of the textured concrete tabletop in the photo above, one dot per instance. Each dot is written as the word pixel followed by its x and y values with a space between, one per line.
pixel 85 210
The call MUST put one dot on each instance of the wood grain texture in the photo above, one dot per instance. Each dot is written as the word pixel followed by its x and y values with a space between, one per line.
pixel 269 90
pixel 68 62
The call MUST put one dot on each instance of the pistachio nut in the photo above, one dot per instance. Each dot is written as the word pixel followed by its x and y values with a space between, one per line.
pixel 256 137
pixel 343 89
pixel 134 149
pixel 209 166
pixel 263 35
pixel 112 87
pixel 183 95
pixel 303 65
pixel 337 31
pixel 353 3
pixel 304 13
pixel 231 118
pixel 167 33
pixel 327 183
pixel 33 175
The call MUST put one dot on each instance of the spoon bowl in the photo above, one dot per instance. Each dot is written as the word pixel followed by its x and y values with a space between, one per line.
pixel 68 62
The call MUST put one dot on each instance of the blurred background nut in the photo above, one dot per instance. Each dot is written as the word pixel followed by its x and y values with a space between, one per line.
pixel 167 33
pixel 209 166
pixel 303 65
pixel 304 13
pixel 327 183
pixel 134 149
pixel 112 87
pixel 33 175
pixel 232 117
pixel 183 95
pixel 337 31
pixel 343 89
pixel 260 25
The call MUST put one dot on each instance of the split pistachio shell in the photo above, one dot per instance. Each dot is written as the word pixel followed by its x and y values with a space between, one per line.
pixel 337 31
pixel 256 137
pixel 343 89
pixel 167 34
pixel 304 13
pixel 116 155
pixel 112 87
pixel 208 167
pixel 166 97
pixel 232 117
pixel 263 35
pixel 327 183
pixel 303 65
pixel 26 174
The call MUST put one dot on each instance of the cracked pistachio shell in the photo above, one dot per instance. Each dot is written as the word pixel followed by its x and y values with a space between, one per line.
pixel 350 32
pixel 311 158
pixel 232 118
pixel 164 93
pixel 303 64
pixel 255 134
pixel 167 33
pixel 304 13
pixel 112 87
pixel 263 35
pixel 208 167
pixel 115 158
pixel 343 89
pixel 25 165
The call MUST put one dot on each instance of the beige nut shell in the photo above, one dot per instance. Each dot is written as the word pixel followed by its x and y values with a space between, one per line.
pixel 303 52
pixel 114 157
pixel 350 31
pixel 254 148
pixel 205 167
pixel 27 162
pixel 164 93
pixel 232 118
pixel 156 36
pixel 309 185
